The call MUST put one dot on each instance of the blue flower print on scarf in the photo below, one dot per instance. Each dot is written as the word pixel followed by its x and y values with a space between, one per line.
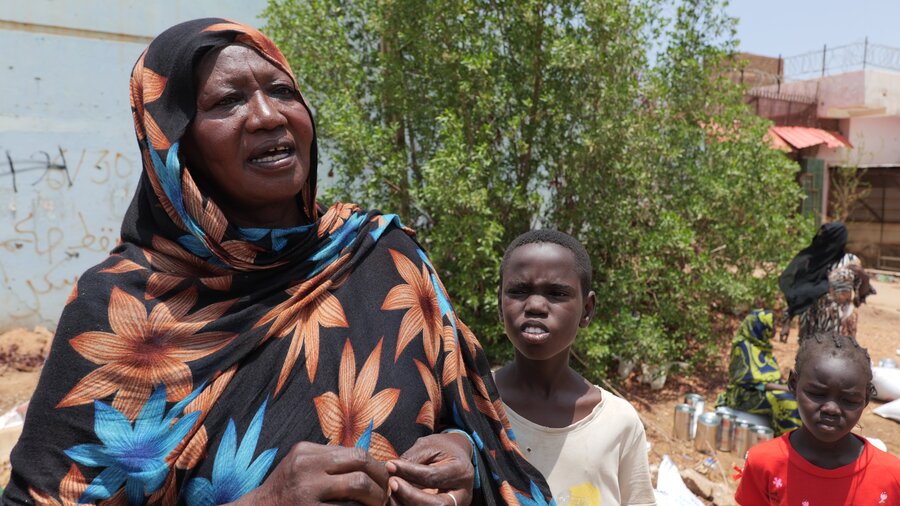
pixel 365 440
pixel 133 455
pixel 387 220
pixel 337 241
pixel 235 472
pixel 278 236
pixel 536 499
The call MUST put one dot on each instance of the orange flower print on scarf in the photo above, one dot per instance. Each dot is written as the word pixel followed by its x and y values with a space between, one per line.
pixel 73 294
pixel 254 38
pixel 179 265
pixel 424 312
pixel 301 320
pixel 346 416
pixel 454 368
pixel 335 218
pixel 168 256
pixel 431 409
pixel 144 350
pixel 71 487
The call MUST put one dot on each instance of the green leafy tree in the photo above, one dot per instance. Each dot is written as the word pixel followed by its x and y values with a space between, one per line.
pixel 478 120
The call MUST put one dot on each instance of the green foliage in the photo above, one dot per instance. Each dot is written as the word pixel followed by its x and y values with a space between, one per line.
pixel 849 187
pixel 478 120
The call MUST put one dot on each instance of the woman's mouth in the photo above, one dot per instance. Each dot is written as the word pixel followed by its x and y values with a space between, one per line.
pixel 272 156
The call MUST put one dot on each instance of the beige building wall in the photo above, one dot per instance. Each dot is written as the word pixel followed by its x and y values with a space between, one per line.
pixel 66 125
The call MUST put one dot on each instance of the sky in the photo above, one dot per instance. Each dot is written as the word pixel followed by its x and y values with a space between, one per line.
pixel 792 27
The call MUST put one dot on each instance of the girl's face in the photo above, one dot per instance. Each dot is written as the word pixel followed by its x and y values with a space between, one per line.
pixel 831 395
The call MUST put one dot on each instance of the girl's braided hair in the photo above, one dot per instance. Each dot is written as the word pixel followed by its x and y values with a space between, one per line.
pixel 834 344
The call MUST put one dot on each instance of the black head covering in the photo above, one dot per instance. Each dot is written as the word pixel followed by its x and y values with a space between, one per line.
pixel 806 278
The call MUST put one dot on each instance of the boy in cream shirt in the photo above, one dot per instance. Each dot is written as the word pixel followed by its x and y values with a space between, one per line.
pixel 588 443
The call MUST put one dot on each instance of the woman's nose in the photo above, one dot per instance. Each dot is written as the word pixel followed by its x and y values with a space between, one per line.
pixel 263 113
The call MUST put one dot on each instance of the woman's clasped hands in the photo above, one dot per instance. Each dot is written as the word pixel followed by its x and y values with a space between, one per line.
pixel 437 470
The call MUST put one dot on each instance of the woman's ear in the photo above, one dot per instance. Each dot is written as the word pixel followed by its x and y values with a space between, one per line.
pixel 590 304
pixel 792 382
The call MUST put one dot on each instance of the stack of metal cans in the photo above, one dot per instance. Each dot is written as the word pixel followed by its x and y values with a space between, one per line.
pixel 723 429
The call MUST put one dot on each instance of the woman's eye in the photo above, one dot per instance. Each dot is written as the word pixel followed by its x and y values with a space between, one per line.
pixel 226 101
pixel 284 91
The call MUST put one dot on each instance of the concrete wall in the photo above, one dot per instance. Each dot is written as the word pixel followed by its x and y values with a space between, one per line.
pixel 66 128
pixel 865 241
pixel 876 141
pixel 878 138
pixel 853 94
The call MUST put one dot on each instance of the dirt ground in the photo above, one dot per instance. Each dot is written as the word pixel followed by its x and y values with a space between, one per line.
pixel 22 353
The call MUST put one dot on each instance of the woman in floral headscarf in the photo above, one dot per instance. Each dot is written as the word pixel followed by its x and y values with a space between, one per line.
pixel 754 380
pixel 834 312
pixel 243 343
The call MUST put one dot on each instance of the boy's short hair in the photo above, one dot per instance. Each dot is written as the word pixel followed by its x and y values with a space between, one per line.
pixel 546 235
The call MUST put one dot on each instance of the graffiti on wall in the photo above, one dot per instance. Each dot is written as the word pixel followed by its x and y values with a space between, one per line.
pixel 61 210
pixel 105 164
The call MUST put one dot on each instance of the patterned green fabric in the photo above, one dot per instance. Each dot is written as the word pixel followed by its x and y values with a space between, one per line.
pixel 752 366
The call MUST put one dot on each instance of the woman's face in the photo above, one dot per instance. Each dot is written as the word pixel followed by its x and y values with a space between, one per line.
pixel 249 142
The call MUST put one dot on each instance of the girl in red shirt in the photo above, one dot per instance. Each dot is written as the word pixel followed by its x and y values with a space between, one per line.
pixel 822 463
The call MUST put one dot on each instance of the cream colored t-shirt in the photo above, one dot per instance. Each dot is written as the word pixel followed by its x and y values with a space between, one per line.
pixel 600 460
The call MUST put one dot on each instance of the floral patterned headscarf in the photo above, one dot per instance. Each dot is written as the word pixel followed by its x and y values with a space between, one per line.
pixel 188 363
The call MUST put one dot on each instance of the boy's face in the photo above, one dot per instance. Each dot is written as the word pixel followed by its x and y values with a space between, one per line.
pixel 541 300
pixel 830 396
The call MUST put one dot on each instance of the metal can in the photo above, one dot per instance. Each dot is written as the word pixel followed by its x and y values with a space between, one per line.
pixel 692 399
pixel 725 432
pixel 682 427
pixel 696 402
pixel 761 433
pixel 742 437
pixel 707 426
pixel 725 409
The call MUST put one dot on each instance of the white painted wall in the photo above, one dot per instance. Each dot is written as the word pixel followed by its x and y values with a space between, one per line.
pixel 64 74
pixel 876 141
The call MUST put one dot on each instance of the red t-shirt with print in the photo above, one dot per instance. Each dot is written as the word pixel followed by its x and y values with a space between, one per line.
pixel 775 474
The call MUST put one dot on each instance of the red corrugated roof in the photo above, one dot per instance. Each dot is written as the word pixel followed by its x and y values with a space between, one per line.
pixel 804 137
pixel 777 142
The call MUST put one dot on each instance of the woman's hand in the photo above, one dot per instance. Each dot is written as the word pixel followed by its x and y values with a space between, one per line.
pixel 313 474
pixel 785 330
pixel 776 387
pixel 436 471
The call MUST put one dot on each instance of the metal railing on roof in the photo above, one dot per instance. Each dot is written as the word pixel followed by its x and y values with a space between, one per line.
pixel 840 59
pixel 778 95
